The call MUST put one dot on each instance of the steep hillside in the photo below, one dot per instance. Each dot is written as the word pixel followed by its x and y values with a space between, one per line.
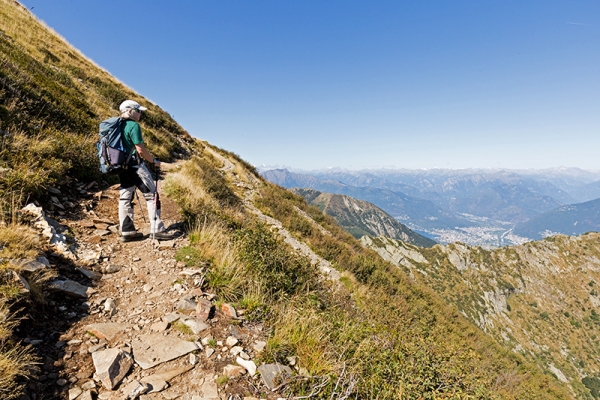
pixel 540 299
pixel 362 218
pixel 111 320
pixel 573 219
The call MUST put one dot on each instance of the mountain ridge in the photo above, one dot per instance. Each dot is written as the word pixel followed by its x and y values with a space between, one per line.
pixel 362 218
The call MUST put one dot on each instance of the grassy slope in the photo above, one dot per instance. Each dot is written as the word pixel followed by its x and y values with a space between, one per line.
pixel 379 336
pixel 539 299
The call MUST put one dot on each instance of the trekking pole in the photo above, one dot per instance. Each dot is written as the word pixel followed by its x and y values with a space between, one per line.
pixel 156 172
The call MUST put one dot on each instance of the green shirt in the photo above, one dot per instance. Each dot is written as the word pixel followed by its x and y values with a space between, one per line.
pixel 132 135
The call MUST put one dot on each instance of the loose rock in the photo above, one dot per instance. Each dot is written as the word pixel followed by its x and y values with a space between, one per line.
pixel 74 392
pixel 228 310
pixel 233 371
pixel 111 269
pixel 70 288
pixel 109 331
pixel 196 326
pixel 269 373
pixel 111 366
pixel 203 309
pixel 248 364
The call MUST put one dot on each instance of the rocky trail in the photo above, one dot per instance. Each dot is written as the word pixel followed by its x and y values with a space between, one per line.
pixel 129 321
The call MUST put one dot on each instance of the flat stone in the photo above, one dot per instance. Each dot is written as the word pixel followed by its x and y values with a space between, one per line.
pixel 94 239
pixel 89 274
pixel 111 269
pixel 89 385
pixel 154 349
pixel 259 346
pixel 114 229
pixel 190 272
pixel 248 364
pixel 195 293
pixel 134 389
pixel 269 372
pixel 102 227
pixel 109 331
pixel 169 395
pixel 96 347
pixel 228 310
pixel 87 224
pixel 237 333
pixel 111 366
pixel 209 352
pixel 70 288
pixel 233 371
pixel 196 326
pixel 172 373
pixel 210 390
pixel 30 265
pixel 186 305
pixel 101 232
pixel 231 341
pixel 103 221
pixel 159 326
pixel 155 384
pixel 193 359
pixel 170 317
pixel 87 395
pixel 235 350
pixel 74 392
pixel 166 245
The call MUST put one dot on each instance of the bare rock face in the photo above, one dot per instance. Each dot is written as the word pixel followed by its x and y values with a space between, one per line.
pixel 111 366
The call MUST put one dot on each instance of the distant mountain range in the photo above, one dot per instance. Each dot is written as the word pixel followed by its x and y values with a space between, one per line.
pixel 412 211
pixel 362 218
pixel 478 207
pixel 573 219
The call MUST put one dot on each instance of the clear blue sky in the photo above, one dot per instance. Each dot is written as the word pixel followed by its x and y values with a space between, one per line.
pixel 313 84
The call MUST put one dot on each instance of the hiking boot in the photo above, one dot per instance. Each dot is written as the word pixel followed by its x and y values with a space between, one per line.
pixel 130 237
pixel 163 235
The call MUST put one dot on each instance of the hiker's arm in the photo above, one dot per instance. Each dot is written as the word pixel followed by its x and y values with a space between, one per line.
pixel 145 154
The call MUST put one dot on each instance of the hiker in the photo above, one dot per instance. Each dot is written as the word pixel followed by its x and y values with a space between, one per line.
pixel 137 176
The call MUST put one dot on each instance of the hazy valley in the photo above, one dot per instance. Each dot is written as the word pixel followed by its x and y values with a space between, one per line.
pixel 477 207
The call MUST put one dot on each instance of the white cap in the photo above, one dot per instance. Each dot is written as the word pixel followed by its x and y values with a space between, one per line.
pixel 131 105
